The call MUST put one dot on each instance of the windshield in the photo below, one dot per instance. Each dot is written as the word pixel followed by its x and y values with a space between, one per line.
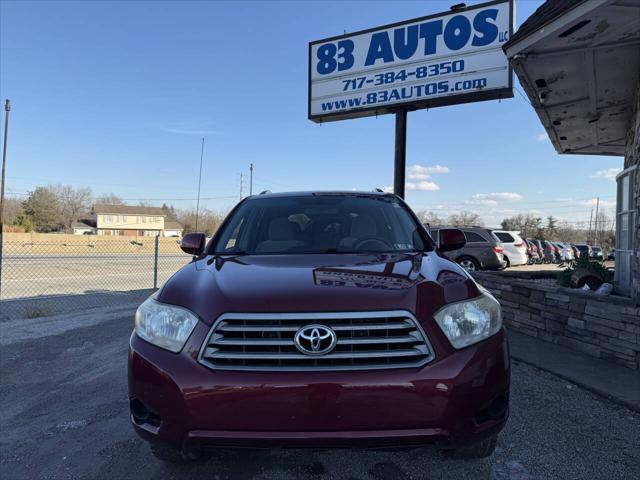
pixel 320 224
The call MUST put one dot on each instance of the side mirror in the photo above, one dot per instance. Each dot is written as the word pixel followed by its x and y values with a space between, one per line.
pixel 193 243
pixel 451 239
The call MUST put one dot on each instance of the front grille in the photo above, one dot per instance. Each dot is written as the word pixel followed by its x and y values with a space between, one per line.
pixel 364 340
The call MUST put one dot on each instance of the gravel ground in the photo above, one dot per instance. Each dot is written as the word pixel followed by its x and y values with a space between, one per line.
pixel 63 414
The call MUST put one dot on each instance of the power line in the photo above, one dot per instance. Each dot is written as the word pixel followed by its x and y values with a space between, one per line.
pixel 522 95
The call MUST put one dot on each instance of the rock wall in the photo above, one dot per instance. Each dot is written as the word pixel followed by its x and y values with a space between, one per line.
pixel 606 327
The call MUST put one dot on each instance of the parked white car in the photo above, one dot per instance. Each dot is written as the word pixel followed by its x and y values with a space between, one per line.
pixel 515 250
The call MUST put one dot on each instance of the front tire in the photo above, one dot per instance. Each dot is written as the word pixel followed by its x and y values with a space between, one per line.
pixel 469 264
pixel 176 456
pixel 482 449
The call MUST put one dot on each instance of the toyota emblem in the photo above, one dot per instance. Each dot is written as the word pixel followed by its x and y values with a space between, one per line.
pixel 315 339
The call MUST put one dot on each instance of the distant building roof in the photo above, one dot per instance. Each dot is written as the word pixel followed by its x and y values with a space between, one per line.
pixel 545 14
pixel 128 210
pixel 83 223
pixel 171 225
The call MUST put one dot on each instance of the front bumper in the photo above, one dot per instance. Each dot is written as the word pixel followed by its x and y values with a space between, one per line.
pixel 452 401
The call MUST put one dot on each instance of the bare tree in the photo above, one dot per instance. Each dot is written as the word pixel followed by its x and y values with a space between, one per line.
pixel 208 221
pixel 604 228
pixel 429 217
pixel 528 225
pixel 109 199
pixel 465 219
pixel 567 232
pixel 72 202
pixel 12 208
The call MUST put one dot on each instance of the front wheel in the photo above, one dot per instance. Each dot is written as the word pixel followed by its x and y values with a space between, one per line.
pixel 469 264
pixel 482 449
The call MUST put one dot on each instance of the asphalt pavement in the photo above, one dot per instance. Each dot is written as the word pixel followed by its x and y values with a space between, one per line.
pixel 64 415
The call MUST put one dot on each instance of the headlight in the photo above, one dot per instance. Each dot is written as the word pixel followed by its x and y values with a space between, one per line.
pixel 468 322
pixel 166 326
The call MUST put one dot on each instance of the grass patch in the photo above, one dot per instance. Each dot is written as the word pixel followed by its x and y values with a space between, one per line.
pixel 36 312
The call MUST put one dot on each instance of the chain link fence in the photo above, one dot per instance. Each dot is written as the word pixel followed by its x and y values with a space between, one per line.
pixel 41 277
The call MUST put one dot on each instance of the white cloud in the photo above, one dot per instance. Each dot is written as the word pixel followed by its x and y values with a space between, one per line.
pixel 495 197
pixel 481 201
pixel 608 174
pixel 419 172
pixel 594 201
pixel 424 186
pixel 541 137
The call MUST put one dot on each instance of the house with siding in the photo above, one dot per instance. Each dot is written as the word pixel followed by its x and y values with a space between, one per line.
pixel 127 221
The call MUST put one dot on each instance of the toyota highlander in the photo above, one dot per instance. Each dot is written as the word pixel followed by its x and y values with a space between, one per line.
pixel 325 319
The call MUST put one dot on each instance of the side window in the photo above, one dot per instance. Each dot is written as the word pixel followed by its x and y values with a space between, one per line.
pixel 473 237
pixel 505 237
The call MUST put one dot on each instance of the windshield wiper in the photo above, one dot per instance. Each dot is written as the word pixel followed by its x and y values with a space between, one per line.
pixel 235 253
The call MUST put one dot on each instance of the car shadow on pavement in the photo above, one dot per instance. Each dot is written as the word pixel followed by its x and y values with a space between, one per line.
pixel 288 464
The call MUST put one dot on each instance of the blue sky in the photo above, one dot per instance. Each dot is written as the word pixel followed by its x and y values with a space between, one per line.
pixel 116 96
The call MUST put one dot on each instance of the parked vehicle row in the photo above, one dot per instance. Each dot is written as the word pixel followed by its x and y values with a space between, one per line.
pixel 488 249
pixel 545 251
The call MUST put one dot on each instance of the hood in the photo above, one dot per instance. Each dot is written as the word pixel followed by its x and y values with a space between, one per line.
pixel 420 283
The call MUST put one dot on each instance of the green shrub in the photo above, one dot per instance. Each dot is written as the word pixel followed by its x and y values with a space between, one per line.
pixel 582 269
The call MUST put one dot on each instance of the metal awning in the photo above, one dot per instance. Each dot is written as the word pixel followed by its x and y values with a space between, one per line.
pixel 579 63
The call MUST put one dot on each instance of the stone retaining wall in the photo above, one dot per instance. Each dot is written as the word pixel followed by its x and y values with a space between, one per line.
pixel 606 327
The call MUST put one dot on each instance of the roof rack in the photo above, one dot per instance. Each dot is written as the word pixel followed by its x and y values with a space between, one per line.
pixel 264 192
pixel 378 190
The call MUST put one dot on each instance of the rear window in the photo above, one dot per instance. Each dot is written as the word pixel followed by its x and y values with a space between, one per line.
pixel 473 237
pixel 504 237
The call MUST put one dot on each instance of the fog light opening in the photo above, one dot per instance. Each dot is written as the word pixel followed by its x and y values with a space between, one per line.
pixel 139 412
pixel 498 407
pixel 495 411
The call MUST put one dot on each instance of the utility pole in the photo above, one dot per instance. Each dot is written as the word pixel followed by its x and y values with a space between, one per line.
pixel 251 179
pixel 241 186
pixel 589 232
pixel 199 183
pixel 7 109
pixel 595 236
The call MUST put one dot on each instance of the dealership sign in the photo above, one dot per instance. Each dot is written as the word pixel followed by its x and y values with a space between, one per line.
pixel 444 59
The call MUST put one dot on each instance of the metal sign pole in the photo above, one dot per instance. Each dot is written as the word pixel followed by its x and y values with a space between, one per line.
pixel 400 153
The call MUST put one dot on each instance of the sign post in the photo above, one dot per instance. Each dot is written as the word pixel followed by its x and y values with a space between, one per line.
pixel 444 59
pixel 400 162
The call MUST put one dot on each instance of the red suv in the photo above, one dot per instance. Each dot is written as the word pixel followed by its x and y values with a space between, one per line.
pixel 319 319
